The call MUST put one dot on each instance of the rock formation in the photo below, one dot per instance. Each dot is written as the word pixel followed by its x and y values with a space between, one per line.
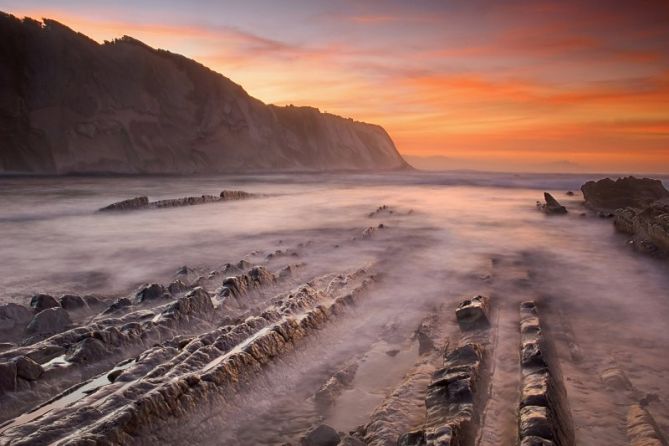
pixel 69 104
pixel 640 208
pixel 609 195
pixel 144 203
pixel 552 206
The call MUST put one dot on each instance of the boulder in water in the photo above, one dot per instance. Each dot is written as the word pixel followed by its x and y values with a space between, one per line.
pixel 552 206
pixel 43 301
pixel 13 316
pixel 609 195
pixel 28 369
pixel 49 321
pixel 321 435
pixel 126 205
pixel 72 302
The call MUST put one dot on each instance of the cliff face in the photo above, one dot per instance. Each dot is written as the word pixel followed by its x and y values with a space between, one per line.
pixel 69 104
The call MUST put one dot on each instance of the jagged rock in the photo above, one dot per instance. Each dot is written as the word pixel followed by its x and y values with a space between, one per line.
pixel 43 301
pixel 28 369
pixel 177 287
pixel 552 206
pixel 87 350
pixel 642 430
pixel 7 377
pixel 321 435
pixel 51 320
pixel 4 346
pixel 473 313
pixel 151 291
pixel 13 316
pixel 72 302
pixel 121 302
pixel 326 395
pixel 609 195
pixel 235 195
pixel 127 205
pixel 649 226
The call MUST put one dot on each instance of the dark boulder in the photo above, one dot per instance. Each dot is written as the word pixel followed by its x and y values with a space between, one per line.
pixel 121 302
pixel 88 350
pixel 125 205
pixel 177 287
pixel 49 321
pixel 321 435
pixel 72 302
pixel 152 291
pixel 235 195
pixel 610 195
pixel 28 369
pixel 7 377
pixel 13 316
pixel 43 301
pixel 552 206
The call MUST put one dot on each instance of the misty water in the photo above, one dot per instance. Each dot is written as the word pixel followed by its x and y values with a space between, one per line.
pixel 447 235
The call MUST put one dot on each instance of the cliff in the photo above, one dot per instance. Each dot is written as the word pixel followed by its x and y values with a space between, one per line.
pixel 71 105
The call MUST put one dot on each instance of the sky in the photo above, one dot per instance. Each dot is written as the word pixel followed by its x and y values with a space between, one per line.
pixel 492 85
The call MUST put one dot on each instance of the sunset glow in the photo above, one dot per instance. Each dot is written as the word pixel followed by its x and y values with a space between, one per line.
pixel 520 85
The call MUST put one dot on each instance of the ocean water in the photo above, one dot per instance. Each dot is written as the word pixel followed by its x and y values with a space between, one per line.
pixel 446 234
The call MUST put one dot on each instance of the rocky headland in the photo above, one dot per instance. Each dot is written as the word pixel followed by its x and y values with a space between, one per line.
pixel 71 105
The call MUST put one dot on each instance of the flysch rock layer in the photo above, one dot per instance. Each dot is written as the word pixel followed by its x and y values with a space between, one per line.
pixel 543 417
pixel 144 203
pixel 152 111
pixel 642 430
pixel 457 391
pixel 168 382
pixel 111 336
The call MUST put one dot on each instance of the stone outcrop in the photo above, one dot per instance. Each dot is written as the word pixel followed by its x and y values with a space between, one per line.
pixel 543 417
pixel 551 206
pixel 328 392
pixel 456 393
pixel 609 195
pixel 649 227
pixel 14 317
pixel 129 204
pixel 151 111
pixel 43 301
pixel 642 430
pixel 144 203
pixel 49 321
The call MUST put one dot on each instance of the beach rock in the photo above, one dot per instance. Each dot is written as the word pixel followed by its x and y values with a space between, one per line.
pixel 43 301
pixel 151 291
pixel 127 205
pixel 88 350
pixel 609 195
pixel 72 302
pixel 120 303
pixel 321 435
pixel 28 369
pixel 13 316
pixel 49 321
pixel 473 313
pixel 552 206
pixel 7 377
pixel 235 195
pixel 649 226
pixel 177 287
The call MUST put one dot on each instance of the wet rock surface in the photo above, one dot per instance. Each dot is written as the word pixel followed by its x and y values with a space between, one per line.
pixel 543 417
pixel 551 206
pixel 144 203
pixel 49 321
pixel 609 195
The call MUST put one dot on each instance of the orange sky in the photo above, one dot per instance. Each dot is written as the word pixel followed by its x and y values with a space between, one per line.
pixel 513 85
